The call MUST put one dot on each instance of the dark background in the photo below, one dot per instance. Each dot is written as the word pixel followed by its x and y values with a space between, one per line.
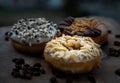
pixel 56 10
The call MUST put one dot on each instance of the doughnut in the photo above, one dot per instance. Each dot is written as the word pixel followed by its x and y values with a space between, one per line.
pixel 30 35
pixel 73 54
pixel 85 26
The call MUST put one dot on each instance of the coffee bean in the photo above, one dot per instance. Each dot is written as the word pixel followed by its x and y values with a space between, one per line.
pixel 117 36
pixel 117 72
pixel 36 73
pixel 53 80
pixel 36 68
pixel 30 70
pixel 7 33
pixel 16 69
pixel 58 74
pixel 19 66
pixel 14 60
pixel 109 31
pixel 42 71
pixel 37 65
pixel 22 74
pixel 69 81
pixel 18 60
pixel 27 68
pixel 21 60
pixel 75 76
pixel 91 79
pixel 15 74
pixel 28 76
pixel 26 65
pixel 25 71
pixel 113 52
pixel 25 75
pixel 116 43
pixel 6 38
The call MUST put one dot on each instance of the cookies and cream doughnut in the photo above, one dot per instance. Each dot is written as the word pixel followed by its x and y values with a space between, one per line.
pixel 30 35
pixel 73 54
pixel 85 26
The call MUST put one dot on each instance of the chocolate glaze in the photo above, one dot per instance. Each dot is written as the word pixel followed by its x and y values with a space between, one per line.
pixel 68 32
pixel 61 27
pixel 90 32
pixel 69 20
pixel 79 33
pixel 97 32
pixel 66 22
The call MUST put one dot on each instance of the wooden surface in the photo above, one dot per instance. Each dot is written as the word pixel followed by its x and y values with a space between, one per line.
pixel 106 74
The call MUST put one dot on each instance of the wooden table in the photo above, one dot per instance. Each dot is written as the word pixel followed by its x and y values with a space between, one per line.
pixel 106 74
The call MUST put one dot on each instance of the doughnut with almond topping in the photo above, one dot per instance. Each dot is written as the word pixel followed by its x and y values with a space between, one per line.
pixel 73 54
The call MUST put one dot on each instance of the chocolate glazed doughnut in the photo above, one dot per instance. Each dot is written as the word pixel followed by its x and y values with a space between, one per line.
pixel 85 26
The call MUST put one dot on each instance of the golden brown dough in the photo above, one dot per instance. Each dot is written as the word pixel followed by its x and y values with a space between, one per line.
pixel 73 54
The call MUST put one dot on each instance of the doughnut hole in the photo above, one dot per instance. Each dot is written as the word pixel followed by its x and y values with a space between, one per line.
pixel 73 44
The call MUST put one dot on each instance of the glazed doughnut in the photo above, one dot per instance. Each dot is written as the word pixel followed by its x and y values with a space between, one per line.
pixel 30 35
pixel 73 54
pixel 85 26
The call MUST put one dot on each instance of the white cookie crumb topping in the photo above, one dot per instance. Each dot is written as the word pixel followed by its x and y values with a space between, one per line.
pixel 33 30
pixel 73 49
